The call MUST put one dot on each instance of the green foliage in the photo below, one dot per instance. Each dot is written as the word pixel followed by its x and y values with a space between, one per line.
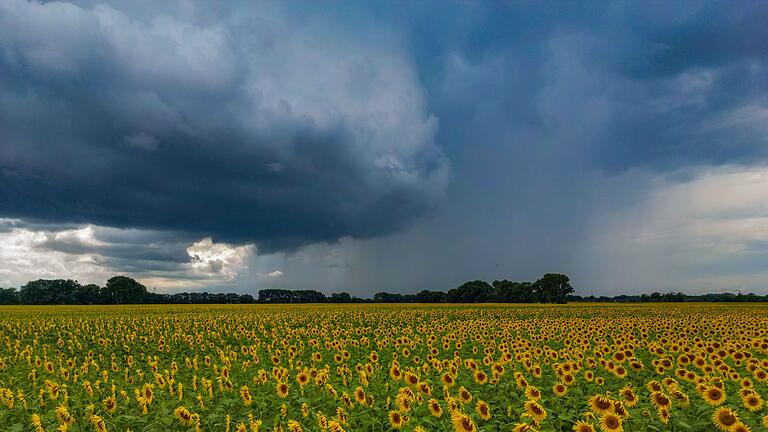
pixel 123 290
pixel 9 296
pixel 553 288
pixel 49 291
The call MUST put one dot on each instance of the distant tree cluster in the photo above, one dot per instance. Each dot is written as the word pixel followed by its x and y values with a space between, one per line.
pixel 304 296
pixel 672 297
pixel 118 290
pixel 550 288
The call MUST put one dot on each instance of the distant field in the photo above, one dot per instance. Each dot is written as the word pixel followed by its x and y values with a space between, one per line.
pixel 634 367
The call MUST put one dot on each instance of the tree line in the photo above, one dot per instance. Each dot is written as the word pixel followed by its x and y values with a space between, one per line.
pixel 672 297
pixel 550 288
pixel 117 290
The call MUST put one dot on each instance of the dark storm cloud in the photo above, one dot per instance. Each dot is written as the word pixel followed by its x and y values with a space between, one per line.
pixel 652 85
pixel 170 124
pixel 164 252
pixel 553 114
pixel 288 125
pixel 669 39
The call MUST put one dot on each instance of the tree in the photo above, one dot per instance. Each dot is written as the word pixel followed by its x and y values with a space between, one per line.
pixel 470 292
pixel 246 298
pixel 385 297
pixel 123 290
pixel 426 296
pixel 307 296
pixel 553 288
pixel 506 291
pixel 342 297
pixel 49 291
pixel 274 296
pixel 88 294
pixel 9 296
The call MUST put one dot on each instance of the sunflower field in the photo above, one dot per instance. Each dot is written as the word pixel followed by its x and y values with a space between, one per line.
pixel 247 368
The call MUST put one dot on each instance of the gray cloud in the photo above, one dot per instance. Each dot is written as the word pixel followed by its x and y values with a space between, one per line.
pixel 164 122
pixel 92 254
pixel 295 127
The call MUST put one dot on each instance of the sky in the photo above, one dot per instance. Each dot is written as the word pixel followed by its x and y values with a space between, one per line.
pixel 385 146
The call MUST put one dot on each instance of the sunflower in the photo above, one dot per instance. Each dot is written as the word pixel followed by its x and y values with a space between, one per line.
pixel 523 427
pixel 360 395
pixel 740 427
pixel 664 415
pixel 600 404
pixel 110 404
pixel 302 379
pixel 620 372
pixel 630 400
pixel 483 410
pixel 434 408
pixel 54 390
pixel 654 386
pixel 725 418
pixel 394 373
pixel 753 402
pixel 681 398
pixel 534 411
pixel 447 379
pixel 148 393
pixel 610 422
pixel 341 415
pixel 403 402
pixel 497 369
pixel 462 422
pixel 98 423
pixel 480 377
pixel 532 392
pixel 184 416
pixel 744 392
pixel 282 389
pixel 331 391
pixel 660 400
pixel 520 380
pixel 453 404
pixel 37 423
pixel 620 410
pixel 582 426
pixel 62 413
pixel 322 420
pixel 411 378
pixel 464 395
pixel 713 395
pixel 396 420
pixel 245 395
pixel 760 375
pixel 559 389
